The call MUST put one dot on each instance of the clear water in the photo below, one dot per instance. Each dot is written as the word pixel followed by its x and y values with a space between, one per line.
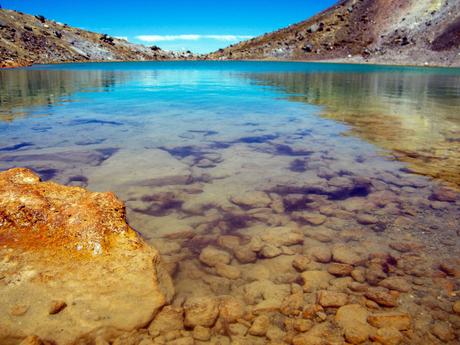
pixel 182 142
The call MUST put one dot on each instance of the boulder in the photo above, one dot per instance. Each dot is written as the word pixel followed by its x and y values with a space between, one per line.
pixel 74 263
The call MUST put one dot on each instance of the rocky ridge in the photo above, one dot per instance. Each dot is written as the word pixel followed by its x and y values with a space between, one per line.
pixel 404 32
pixel 27 39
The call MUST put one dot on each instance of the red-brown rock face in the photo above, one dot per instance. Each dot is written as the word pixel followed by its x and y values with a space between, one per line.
pixel 70 265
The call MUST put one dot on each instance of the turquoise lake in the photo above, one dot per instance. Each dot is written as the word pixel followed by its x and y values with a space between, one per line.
pixel 209 153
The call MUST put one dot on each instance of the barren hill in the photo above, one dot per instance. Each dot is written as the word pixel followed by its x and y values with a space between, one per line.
pixel 388 31
pixel 26 39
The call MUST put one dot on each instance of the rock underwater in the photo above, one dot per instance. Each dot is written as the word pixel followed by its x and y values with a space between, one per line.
pixel 71 268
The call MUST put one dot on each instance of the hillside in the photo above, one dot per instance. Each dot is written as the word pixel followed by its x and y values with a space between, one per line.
pixel 27 39
pixel 380 31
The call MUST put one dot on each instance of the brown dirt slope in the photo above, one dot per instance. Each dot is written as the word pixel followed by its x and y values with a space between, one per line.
pixel 388 31
pixel 27 39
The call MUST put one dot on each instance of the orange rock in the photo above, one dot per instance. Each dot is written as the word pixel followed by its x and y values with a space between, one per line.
pixel 69 252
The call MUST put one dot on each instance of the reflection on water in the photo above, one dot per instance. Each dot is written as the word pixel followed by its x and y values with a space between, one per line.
pixel 22 90
pixel 239 173
pixel 416 116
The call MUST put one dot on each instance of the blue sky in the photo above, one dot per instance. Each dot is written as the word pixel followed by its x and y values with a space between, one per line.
pixel 200 25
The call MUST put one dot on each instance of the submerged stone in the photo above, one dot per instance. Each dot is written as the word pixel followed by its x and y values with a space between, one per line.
pixel 69 253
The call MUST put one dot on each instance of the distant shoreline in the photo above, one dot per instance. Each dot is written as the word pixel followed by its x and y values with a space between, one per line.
pixel 344 61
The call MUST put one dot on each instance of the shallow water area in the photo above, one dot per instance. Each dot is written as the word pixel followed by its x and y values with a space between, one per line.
pixel 288 189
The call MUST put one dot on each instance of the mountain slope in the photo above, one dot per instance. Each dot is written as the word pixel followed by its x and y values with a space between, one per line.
pixel 26 39
pixel 390 31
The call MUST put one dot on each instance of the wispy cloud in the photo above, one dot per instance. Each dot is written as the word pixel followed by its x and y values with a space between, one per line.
pixel 189 37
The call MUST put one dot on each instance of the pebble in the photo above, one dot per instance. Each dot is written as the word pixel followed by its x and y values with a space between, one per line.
pixel 310 218
pixel 260 326
pixel 388 336
pixel 168 319
pixel 382 296
pixel 200 311
pixel 231 309
pixel 443 331
pixel 399 321
pixel 212 256
pixel 352 318
pixel 366 219
pixel 252 200
pixel 314 280
pixel 331 299
pixel 340 270
pixel 301 263
pixel 396 283
pixel 270 251
pixel 456 307
pixel 245 254
pixel 227 271
pixel 345 255
pixel 201 333
pixel 321 254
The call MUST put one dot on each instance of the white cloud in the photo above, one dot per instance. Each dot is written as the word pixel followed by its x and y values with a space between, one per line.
pixel 163 38
pixel 122 38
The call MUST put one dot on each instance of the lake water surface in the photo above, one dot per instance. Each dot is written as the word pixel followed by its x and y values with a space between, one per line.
pixel 245 157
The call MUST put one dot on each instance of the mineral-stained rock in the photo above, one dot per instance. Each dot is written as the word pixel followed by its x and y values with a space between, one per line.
pixel 400 321
pixel 67 244
pixel 201 311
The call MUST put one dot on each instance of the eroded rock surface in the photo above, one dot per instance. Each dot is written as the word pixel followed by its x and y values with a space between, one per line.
pixel 70 265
